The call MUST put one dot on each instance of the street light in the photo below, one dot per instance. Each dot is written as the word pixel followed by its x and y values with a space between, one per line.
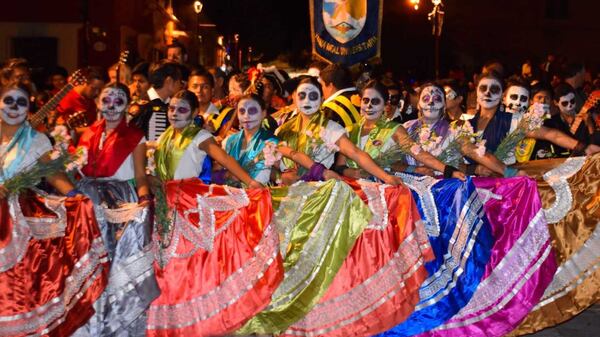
pixel 198 8
pixel 436 16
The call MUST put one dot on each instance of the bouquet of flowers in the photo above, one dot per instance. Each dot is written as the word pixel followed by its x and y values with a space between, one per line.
pixel 462 132
pixel 531 121
pixel 60 160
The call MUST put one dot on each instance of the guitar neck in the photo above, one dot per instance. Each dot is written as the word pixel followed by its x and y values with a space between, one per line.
pixel 39 116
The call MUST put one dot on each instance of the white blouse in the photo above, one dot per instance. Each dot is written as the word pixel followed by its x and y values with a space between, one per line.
pixel 40 145
pixel 190 164
pixel 126 171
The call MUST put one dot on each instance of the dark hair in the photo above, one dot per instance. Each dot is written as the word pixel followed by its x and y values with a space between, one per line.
pixel 242 80
pixel 432 84
pixel 563 89
pixel 17 86
pixel 338 75
pixel 203 73
pixel 517 81
pixel 177 44
pixel 58 70
pixel 311 80
pixel 218 72
pixel 493 75
pixel 495 66
pixel 96 73
pixel 542 86
pixel 255 98
pixel 119 86
pixel 159 72
pixel 377 86
pixel 570 69
pixel 141 69
pixel 189 97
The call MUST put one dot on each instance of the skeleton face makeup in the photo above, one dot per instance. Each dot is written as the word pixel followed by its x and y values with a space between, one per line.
pixel 112 103
pixel 489 92
pixel 179 113
pixel 566 103
pixel 372 104
pixel 308 98
pixel 431 103
pixel 516 99
pixel 13 107
pixel 250 114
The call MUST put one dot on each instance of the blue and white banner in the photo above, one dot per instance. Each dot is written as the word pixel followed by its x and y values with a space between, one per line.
pixel 346 31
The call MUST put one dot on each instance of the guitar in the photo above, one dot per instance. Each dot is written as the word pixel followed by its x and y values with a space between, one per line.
pixel 37 120
pixel 592 100
pixel 122 60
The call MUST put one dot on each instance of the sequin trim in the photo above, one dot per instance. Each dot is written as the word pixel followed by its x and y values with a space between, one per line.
pixel 501 284
pixel 423 185
pixel 13 252
pixel 461 244
pixel 375 193
pixel 557 179
pixel 53 312
pixel 236 285
pixel 575 270
pixel 310 261
pixel 365 297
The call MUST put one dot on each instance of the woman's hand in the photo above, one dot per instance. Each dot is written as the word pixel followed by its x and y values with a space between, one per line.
pixel 426 171
pixel 591 149
pixel 254 184
pixel 3 192
pixel 458 175
pixel 329 174
pixel 393 180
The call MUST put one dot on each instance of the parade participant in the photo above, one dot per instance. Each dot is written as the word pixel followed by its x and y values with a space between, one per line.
pixel 125 73
pixel 225 123
pixel 202 84
pixel 82 98
pixel 393 104
pixel 52 260
pixel 338 90
pixel 376 136
pixel 113 176
pixel 219 77
pixel 251 146
pixel 573 73
pixel 310 132
pixel 212 283
pixel 495 124
pixel 165 80
pixel 57 78
pixel 456 100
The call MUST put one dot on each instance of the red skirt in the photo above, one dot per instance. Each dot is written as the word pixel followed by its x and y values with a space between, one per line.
pixel 222 264
pixel 53 265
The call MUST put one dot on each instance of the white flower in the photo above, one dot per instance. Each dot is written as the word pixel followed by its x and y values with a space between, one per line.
pixel 415 149
pixel 481 148
pixel 308 133
pixel 54 155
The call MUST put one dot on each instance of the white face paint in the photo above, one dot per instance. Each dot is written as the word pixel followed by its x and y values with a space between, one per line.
pixel 112 103
pixel 249 114
pixel 372 104
pixel 431 103
pixel 516 99
pixel 179 113
pixel 566 103
pixel 308 98
pixel 489 92
pixel 14 105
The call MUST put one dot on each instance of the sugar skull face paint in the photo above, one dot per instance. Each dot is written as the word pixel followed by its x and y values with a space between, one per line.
pixel 308 98
pixel 250 114
pixel 112 103
pixel 516 99
pixel 372 104
pixel 489 92
pixel 14 105
pixel 431 103
pixel 566 103
pixel 179 113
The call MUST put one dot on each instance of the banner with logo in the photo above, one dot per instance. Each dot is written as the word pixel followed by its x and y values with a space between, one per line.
pixel 346 31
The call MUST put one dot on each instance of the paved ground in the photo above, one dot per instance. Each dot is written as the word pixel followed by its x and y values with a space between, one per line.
pixel 586 324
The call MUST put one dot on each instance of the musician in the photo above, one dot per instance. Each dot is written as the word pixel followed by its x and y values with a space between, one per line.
pixel 202 84
pixel 82 98
pixel 165 80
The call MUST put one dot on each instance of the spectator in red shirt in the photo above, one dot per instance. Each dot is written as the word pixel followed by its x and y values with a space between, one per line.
pixel 81 98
